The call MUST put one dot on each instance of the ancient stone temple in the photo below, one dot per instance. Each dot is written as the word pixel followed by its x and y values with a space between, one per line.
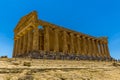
pixel 39 39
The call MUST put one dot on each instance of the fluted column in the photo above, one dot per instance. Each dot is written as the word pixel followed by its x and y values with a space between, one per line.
pixel 46 38
pixel 89 46
pixel 22 43
pixel 78 44
pixel 106 50
pixel 35 39
pixel 29 42
pixel 97 49
pixel 84 46
pixel 65 42
pixel 25 43
pixel 72 43
pixel 56 43
pixel 19 49
pixel 101 49
pixel 15 48
pixel 23 47
pixel 93 47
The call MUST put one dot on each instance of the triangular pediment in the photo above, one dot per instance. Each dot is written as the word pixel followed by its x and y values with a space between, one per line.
pixel 24 20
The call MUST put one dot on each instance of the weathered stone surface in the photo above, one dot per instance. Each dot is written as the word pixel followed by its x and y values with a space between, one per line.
pixel 1 78
pixel 52 39
pixel 14 78
pixel 27 64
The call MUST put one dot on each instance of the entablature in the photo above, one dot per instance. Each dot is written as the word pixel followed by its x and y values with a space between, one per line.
pixel 25 23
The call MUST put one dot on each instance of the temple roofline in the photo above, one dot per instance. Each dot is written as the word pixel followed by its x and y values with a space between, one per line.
pixel 69 30
pixel 42 23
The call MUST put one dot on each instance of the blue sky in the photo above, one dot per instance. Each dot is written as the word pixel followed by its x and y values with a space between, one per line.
pixel 93 17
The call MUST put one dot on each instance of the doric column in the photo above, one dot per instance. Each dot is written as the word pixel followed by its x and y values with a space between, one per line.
pixel 46 38
pixel 35 38
pixel 72 43
pixel 89 46
pixel 65 42
pixel 29 42
pixel 95 44
pixel 20 41
pixel 101 49
pixel 25 43
pixel 15 48
pixel 93 47
pixel 78 45
pixel 40 39
pixel 97 49
pixel 106 50
pixel 84 52
pixel 56 43
pixel 22 44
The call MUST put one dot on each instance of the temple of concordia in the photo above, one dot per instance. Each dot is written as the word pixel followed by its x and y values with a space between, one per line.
pixel 39 39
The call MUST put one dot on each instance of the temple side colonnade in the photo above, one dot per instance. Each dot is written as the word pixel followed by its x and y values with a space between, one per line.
pixel 39 39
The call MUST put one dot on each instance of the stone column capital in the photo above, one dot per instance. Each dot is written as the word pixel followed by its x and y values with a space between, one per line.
pixel 97 40
pixel 71 34
pixel 101 42
pixel 93 39
pixel 17 37
pixel 77 35
pixel 64 32
pixel 83 37
pixel 55 29
pixel 105 42
pixel 21 35
pixel 88 38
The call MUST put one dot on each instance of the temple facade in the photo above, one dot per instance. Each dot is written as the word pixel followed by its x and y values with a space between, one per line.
pixel 39 39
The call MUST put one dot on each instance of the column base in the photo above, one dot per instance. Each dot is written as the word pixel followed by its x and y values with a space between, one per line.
pixel 34 54
pixel 60 56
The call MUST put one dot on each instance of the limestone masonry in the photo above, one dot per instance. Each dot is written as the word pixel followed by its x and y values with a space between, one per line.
pixel 39 39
